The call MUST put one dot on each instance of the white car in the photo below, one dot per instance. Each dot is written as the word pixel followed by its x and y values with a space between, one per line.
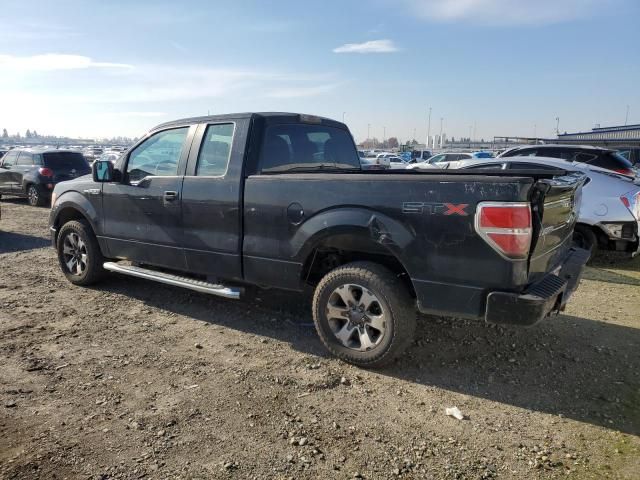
pixel 442 160
pixel 609 216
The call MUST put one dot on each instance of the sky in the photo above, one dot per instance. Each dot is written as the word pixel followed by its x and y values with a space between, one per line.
pixel 502 67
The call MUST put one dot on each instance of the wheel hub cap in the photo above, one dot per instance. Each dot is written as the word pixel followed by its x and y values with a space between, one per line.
pixel 74 254
pixel 356 317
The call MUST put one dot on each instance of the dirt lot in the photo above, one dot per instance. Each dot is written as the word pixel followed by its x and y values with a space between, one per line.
pixel 132 379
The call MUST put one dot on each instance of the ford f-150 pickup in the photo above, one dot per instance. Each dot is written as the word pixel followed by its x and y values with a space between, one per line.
pixel 280 200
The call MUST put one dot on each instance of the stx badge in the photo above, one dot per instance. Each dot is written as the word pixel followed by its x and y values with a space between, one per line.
pixel 435 208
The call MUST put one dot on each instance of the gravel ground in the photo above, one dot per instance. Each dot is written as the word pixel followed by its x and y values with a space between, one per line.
pixel 132 379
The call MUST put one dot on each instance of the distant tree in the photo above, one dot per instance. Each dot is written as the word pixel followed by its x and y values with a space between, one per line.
pixel 392 142
pixel 5 134
pixel 27 134
pixel 18 135
pixel 35 134
pixel 453 139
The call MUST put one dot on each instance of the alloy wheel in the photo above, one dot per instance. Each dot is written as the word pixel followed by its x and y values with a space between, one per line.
pixel 74 254
pixel 356 317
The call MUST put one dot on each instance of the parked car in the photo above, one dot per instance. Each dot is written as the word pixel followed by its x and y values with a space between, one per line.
pixel 376 161
pixel 33 173
pixel 110 156
pixel 418 156
pixel 92 153
pixel 609 215
pixel 599 157
pixel 442 160
pixel 293 209
pixel 2 152
pixel 632 154
pixel 396 162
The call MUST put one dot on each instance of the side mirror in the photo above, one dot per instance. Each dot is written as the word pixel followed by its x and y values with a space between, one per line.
pixel 102 171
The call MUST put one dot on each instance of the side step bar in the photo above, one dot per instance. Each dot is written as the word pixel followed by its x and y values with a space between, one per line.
pixel 175 280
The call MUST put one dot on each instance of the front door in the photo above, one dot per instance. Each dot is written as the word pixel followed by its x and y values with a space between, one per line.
pixel 6 171
pixel 143 212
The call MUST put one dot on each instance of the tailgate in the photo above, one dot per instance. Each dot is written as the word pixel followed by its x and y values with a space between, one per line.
pixel 555 206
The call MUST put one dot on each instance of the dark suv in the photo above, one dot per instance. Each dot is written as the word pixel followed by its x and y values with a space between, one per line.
pixel 33 173
pixel 600 157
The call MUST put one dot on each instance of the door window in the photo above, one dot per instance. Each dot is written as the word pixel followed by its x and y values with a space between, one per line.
pixel 215 150
pixel 9 159
pixel 158 155
pixel 25 159
pixel 438 158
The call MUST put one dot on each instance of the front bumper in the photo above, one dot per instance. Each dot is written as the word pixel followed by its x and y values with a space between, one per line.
pixel 540 299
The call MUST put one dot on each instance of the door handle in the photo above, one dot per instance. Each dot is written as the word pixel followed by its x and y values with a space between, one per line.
pixel 170 196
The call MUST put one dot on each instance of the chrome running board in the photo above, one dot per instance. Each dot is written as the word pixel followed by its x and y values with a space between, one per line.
pixel 175 280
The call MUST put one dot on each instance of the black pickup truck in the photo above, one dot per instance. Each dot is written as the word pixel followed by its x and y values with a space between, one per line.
pixel 279 200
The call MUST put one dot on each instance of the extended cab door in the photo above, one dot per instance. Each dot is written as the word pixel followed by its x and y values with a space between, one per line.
pixel 142 213
pixel 212 200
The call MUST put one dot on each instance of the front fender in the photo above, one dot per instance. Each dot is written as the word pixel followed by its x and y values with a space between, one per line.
pixel 374 226
pixel 74 200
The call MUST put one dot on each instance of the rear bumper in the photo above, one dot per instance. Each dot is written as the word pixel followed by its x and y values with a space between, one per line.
pixel 540 299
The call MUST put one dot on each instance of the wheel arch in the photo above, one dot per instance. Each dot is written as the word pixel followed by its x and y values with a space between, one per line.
pixel 342 236
pixel 73 206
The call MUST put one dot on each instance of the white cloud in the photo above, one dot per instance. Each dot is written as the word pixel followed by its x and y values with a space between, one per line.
pixel 52 62
pixel 372 46
pixel 504 12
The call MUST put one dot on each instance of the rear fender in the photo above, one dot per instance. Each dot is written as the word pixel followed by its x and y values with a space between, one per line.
pixel 373 226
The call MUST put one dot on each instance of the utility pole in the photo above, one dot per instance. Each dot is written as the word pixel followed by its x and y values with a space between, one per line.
pixel 626 117
pixel 441 120
pixel 557 125
pixel 428 129
pixel 369 134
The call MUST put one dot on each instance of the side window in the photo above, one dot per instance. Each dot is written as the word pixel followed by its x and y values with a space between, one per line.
pixel 289 147
pixel 439 158
pixel 215 150
pixel 37 159
pixel 9 159
pixel 25 159
pixel 158 155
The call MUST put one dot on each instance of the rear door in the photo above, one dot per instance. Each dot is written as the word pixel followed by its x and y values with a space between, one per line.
pixel 142 213
pixel 21 168
pixel 212 199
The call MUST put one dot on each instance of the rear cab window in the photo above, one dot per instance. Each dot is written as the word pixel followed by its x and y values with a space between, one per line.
pixel 215 150
pixel 298 147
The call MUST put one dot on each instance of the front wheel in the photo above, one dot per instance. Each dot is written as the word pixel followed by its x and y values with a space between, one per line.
pixel 364 314
pixel 79 253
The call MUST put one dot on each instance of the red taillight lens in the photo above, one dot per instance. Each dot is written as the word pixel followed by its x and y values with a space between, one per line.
pixel 624 171
pixel 506 227
pixel 626 201
pixel 45 172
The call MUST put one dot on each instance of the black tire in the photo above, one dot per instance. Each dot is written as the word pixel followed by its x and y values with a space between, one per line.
pixel 396 307
pixel 35 196
pixel 93 270
pixel 585 237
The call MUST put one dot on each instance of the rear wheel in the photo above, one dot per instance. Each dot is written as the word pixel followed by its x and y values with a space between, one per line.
pixel 35 197
pixel 364 314
pixel 79 253
pixel 584 237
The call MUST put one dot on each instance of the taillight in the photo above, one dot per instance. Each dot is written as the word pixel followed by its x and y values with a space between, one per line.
pixel 624 171
pixel 45 172
pixel 506 227
pixel 631 200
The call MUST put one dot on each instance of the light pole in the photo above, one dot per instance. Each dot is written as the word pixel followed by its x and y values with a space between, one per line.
pixel 474 131
pixel 384 137
pixel 626 117
pixel 428 129
pixel 441 120
pixel 557 125
pixel 535 133
pixel 369 134
pixel 470 127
